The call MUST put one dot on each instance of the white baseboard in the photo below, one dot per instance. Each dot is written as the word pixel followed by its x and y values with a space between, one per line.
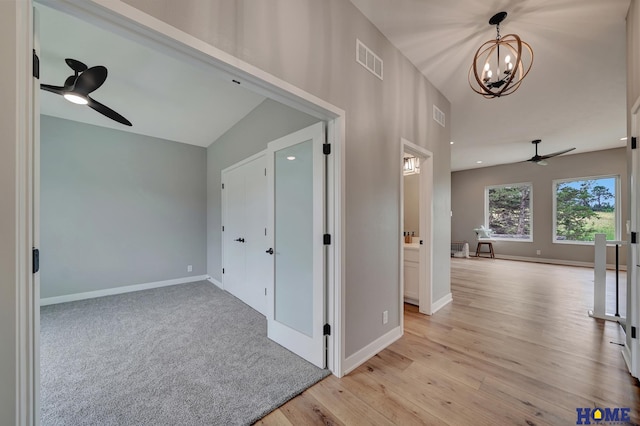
pixel 555 261
pixel 441 303
pixel 360 357
pixel 119 290
pixel 215 282
pixel 411 300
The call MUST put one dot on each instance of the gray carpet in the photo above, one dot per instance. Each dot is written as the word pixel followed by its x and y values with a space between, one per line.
pixel 182 355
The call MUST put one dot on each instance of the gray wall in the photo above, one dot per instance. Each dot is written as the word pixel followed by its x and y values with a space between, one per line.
pixel 412 203
pixel 118 208
pixel 311 44
pixel 468 201
pixel 268 121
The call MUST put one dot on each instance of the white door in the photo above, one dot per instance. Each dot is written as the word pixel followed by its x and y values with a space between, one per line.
pixel 296 171
pixel 246 268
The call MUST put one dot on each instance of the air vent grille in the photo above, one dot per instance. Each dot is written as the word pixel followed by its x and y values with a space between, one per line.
pixel 368 59
pixel 439 116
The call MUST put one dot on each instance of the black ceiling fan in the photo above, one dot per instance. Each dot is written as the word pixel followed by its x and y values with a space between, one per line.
pixel 77 87
pixel 540 159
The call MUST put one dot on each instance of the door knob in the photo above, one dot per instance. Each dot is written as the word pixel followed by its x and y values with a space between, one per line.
pixel 240 240
pixel 270 251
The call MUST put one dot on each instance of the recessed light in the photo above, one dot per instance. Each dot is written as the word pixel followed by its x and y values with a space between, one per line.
pixel 479 162
pixel 291 158
pixel 452 142
pixel 623 139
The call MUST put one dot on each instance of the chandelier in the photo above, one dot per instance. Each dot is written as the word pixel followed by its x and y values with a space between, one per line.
pixel 500 65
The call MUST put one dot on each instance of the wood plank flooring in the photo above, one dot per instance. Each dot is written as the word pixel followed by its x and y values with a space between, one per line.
pixel 515 347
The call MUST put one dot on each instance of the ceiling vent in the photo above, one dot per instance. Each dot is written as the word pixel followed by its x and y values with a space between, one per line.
pixel 439 116
pixel 368 59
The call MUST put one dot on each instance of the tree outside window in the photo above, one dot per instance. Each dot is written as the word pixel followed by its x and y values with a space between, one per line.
pixel 508 212
pixel 585 207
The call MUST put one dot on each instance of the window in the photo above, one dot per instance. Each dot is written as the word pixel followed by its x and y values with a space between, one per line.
pixel 508 211
pixel 584 207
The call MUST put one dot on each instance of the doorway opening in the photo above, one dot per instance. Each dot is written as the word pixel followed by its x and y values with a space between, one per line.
pixel 144 29
pixel 416 218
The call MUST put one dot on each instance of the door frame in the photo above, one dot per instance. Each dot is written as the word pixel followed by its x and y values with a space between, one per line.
pixel 631 350
pixel 140 27
pixel 425 201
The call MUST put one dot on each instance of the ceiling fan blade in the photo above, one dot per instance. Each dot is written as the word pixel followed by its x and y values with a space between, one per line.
pixel 76 65
pixel 108 112
pixel 53 89
pixel 544 157
pixel 90 80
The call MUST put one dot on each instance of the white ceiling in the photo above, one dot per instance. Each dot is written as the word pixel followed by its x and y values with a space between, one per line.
pixel 574 96
pixel 161 96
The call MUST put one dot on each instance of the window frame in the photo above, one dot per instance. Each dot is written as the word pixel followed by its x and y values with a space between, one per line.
pixel 487 188
pixel 617 208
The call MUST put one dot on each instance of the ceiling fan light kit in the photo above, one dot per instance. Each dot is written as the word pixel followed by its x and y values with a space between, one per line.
pixel 500 65
pixel 77 87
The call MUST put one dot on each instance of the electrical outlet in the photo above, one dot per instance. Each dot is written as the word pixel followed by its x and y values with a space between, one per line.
pixel 189 268
pixel 538 252
pixel 385 317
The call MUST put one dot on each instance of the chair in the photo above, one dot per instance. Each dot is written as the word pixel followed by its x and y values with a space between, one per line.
pixel 483 236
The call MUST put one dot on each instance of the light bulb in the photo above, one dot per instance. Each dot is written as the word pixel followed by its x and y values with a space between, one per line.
pixel 487 66
pixel 76 99
pixel 510 66
pixel 507 59
pixel 489 74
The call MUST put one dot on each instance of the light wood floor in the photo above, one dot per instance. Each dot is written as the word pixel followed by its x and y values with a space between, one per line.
pixel 515 347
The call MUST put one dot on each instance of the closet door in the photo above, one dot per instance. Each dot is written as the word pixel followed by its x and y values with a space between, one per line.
pixel 244 206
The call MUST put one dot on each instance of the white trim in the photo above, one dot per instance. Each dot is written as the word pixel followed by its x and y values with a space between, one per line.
pixel 215 282
pixel 26 290
pixel 556 261
pixel 119 290
pixel 364 354
pixel 441 303
pixel 411 301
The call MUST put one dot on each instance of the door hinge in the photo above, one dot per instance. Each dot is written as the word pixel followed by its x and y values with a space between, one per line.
pixel 633 332
pixel 265 291
pixel 223 186
pixel 36 259
pixel 222 228
pixel 326 330
pixel 634 238
pixel 223 270
pixel 326 239
pixel 265 171
pixel 36 65
pixel 634 142
pixel 326 148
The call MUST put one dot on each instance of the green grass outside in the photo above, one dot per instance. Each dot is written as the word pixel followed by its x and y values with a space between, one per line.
pixel 604 223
